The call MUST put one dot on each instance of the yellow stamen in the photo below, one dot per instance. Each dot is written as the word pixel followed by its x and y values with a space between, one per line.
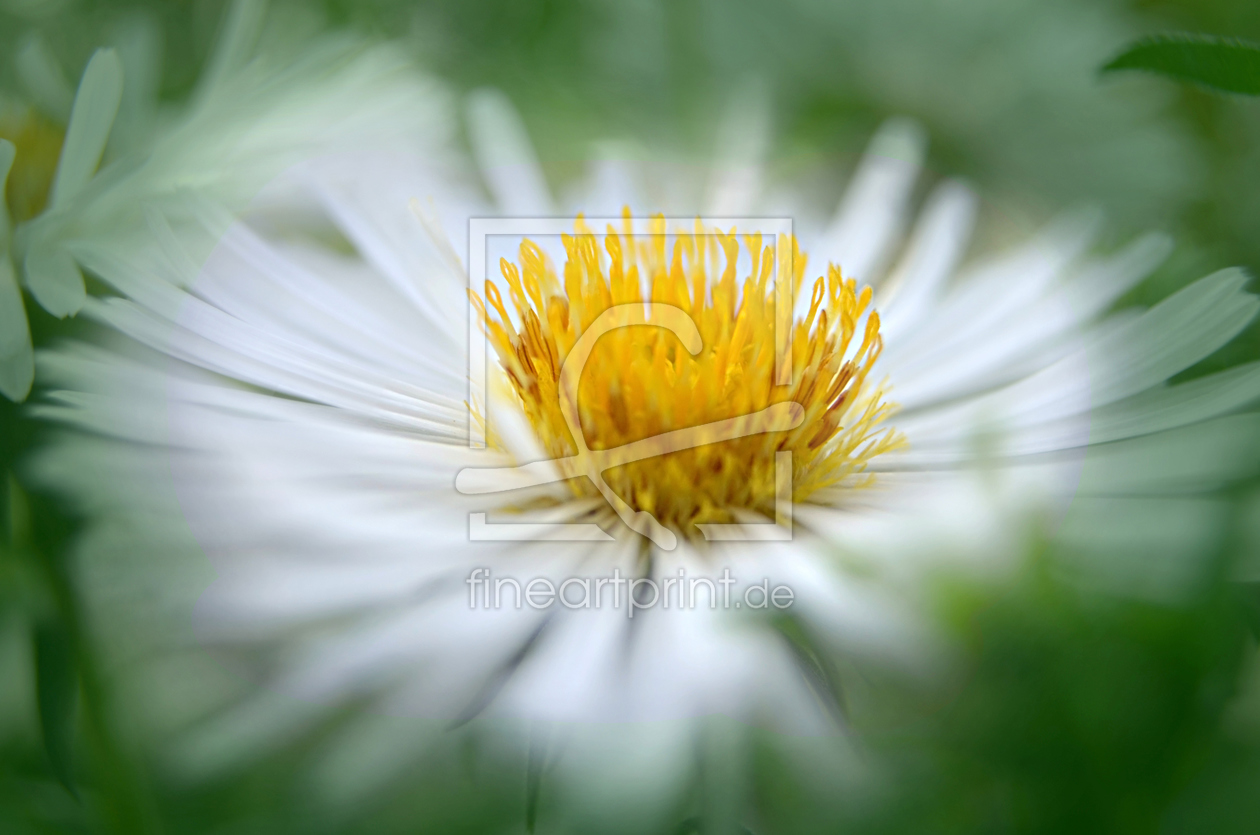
pixel 37 143
pixel 640 382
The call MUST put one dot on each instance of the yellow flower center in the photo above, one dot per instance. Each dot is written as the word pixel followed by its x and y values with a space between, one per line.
pixel 641 381
pixel 37 143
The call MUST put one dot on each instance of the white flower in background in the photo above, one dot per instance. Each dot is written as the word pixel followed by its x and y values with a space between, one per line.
pixel 247 120
pixel 302 390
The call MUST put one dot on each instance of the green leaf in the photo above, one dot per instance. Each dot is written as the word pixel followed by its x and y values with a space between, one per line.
pixel 57 688
pixel 1224 64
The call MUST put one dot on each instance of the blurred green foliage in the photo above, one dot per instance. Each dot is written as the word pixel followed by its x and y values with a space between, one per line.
pixel 1077 712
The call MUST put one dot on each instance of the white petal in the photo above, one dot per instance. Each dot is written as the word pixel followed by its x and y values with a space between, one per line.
pixel 743 141
pixel 1173 335
pixel 991 293
pixel 1167 407
pixel 506 156
pixel 54 278
pixel 613 182
pixel 940 238
pixel 1194 459
pixel 17 359
pixel 95 105
pixel 41 75
pixel 368 197
pixel 871 215
pixel 1025 340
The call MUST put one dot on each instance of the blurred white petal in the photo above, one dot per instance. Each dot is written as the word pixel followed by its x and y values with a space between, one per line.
pixel 506 157
pixel 871 216
pixel 17 358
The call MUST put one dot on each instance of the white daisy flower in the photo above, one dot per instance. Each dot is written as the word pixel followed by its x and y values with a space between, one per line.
pixel 303 392
pixel 249 118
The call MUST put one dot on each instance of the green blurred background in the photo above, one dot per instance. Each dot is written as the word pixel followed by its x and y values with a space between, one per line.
pixel 1077 710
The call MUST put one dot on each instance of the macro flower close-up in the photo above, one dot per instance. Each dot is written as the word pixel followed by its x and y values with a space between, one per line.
pixel 416 422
